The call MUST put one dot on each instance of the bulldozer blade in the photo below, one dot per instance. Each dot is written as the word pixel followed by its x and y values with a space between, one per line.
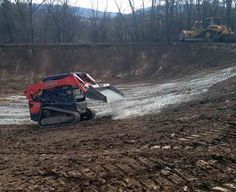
pixel 105 93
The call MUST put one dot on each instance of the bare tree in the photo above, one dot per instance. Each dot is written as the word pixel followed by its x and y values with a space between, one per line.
pixel 26 9
pixel 122 27
pixel 189 5
pixel 152 23
pixel 56 21
pixel 103 27
pixel 135 36
pixel 64 19
pixel 6 19
pixel 228 12
pixel 94 5
pixel 169 19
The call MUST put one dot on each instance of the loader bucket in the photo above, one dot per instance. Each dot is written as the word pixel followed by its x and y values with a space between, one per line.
pixel 105 93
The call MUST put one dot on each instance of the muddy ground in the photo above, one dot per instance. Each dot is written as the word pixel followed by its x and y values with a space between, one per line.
pixel 189 147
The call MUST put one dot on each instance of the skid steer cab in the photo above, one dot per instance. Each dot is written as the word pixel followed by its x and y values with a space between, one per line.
pixel 60 100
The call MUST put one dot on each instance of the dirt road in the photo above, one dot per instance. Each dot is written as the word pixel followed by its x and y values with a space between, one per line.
pixel 190 147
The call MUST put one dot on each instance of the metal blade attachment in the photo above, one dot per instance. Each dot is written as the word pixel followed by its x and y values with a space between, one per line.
pixel 106 93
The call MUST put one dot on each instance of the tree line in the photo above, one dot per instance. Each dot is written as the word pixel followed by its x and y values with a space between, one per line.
pixel 56 21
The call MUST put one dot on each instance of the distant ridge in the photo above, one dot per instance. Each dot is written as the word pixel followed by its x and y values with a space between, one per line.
pixel 88 13
pixel 80 11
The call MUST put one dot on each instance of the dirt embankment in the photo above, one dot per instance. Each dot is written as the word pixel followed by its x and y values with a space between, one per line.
pixel 160 61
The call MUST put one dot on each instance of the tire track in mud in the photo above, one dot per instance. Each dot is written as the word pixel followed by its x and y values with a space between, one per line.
pixel 164 179
pixel 143 170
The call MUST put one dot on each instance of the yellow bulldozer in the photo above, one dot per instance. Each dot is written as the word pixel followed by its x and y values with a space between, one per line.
pixel 209 29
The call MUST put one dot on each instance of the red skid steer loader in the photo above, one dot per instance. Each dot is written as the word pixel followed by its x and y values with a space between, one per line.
pixel 60 100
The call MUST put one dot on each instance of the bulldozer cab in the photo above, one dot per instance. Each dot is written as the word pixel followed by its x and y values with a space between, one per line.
pixel 197 25
pixel 212 21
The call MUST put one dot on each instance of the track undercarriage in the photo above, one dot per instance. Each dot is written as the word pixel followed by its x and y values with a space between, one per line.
pixel 56 117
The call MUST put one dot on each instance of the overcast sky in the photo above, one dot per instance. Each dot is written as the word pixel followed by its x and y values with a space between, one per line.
pixel 111 5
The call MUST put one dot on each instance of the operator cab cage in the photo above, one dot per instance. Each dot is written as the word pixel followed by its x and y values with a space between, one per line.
pixel 211 21
pixel 205 23
pixel 65 94
pixel 197 25
pixel 84 76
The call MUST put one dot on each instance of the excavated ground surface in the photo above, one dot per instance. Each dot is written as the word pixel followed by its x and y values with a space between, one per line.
pixel 190 147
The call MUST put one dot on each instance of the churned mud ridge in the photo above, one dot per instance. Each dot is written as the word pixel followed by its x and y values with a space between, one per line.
pixel 186 148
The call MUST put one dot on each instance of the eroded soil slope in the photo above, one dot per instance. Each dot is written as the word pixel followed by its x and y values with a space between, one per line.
pixel 22 64
pixel 186 148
